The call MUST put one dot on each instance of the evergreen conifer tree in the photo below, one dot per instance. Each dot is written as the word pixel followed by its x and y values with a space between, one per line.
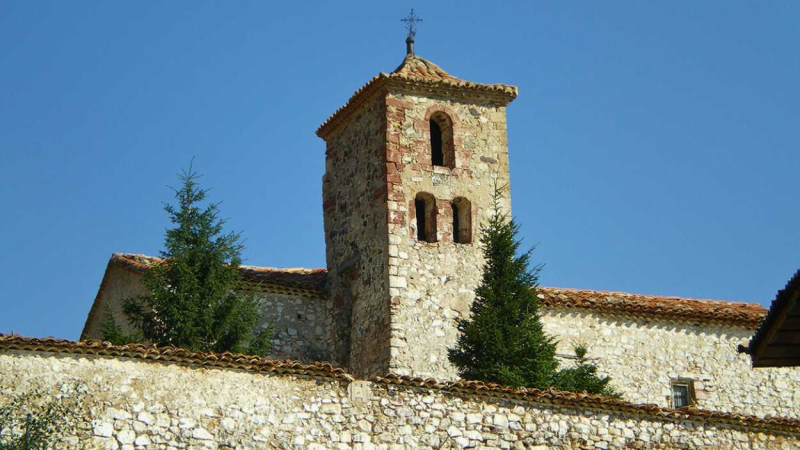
pixel 583 377
pixel 503 341
pixel 196 296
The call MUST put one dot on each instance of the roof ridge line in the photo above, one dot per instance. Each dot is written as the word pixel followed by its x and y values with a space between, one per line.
pixel 241 266
pixel 655 296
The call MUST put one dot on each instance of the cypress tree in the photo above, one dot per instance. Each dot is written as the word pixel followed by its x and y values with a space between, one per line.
pixel 196 298
pixel 503 340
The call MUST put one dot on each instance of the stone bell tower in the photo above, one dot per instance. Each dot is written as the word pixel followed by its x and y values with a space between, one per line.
pixel 411 164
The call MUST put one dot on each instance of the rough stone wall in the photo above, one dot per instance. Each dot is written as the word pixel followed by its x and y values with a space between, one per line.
pixel 300 327
pixel 118 284
pixel 642 356
pixel 131 405
pixel 300 323
pixel 432 284
pixel 356 240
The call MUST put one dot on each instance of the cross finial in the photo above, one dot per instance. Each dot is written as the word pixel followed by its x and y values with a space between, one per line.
pixel 411 25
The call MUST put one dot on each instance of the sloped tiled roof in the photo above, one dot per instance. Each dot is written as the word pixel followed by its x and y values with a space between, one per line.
pixel 311 280
pixel 671 308
pixel 296 282
pixel 774 342
pixel 172 354
pixel 325 370
pixel 415 67
pixel 591 401
pixel 419 74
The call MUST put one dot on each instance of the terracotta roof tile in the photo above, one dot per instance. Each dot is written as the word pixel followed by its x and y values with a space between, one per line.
pixel 172 354
pixel 311 279
pixel 257 364
pixel 418 73
pixel 673 308
pixel 781 302
pixel 295 282
pixel 414 66
pixel 665 307
pixel 585 400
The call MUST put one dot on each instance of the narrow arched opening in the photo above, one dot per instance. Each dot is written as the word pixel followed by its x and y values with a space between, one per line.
pixel 425 210
pixel 462 220
pixel 442 144
pixel 437 153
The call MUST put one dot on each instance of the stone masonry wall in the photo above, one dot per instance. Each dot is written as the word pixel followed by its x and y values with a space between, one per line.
pixel 300 327
pixel 118 284
pixel 432 284
pixel 643 355
pixel 300 323
pixel 356 241
pixel 133 404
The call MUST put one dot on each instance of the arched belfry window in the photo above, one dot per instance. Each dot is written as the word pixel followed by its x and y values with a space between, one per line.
pixel 425 209
pixel 462 221
pixel 442 148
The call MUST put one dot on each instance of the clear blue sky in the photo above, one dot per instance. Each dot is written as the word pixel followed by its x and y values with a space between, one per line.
pixel 654 147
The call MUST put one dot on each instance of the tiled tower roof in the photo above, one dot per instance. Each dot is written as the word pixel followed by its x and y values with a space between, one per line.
pixel 414 66
pixel 419 74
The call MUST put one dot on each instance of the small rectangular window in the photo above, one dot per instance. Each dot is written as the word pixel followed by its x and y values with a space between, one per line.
pixel 682 394
pixel 456 224
pixel 425 209
pixel 462 220
pixel 419 206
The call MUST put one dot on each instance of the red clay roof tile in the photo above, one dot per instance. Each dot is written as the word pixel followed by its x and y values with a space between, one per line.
pixel 173 354
pixel 257 364
pixel 419 73
pixel 312 279
pixel 671 308
pixel 664 307
pixel 591 401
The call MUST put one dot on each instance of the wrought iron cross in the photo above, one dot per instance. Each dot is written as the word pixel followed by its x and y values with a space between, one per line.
pixel 411 26
pixel 411 23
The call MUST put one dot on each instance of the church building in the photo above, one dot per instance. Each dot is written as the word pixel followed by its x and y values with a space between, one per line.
pixel 412 161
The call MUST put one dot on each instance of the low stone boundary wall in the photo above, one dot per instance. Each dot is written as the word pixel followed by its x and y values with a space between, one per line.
pixel 137 397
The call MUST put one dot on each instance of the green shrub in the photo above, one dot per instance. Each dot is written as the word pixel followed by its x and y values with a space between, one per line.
pixel 34 421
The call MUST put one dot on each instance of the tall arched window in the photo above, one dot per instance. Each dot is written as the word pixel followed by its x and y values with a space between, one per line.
pixel 437 152
pixel 425 210
pixel 442 146
pixel 462 220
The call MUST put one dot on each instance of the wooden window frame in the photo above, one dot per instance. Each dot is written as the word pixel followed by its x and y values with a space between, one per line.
pixel 691 399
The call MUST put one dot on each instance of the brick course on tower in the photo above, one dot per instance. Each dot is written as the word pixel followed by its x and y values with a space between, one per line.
pixel 403 154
